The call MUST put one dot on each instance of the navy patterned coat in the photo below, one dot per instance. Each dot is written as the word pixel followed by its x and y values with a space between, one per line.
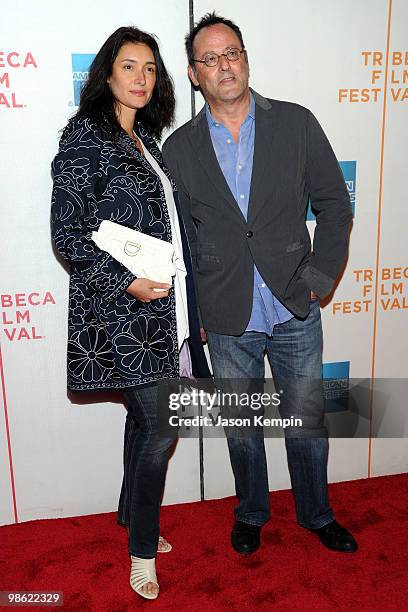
pixel 114 340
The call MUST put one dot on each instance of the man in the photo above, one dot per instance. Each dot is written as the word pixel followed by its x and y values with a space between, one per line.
pixel 245 167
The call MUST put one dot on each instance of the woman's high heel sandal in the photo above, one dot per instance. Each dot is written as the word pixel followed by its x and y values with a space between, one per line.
pixel 143 571
pixel 164 546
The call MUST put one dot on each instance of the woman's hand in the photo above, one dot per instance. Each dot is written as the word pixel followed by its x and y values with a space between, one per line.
pixel 146 290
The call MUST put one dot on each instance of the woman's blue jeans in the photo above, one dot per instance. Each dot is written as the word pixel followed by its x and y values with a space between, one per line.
pixel 295 355
pixel 145 459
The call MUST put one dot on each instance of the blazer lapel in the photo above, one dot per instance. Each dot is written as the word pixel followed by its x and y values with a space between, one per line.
pixel 154 150
pixel 200 140
pixel 264 134
pixel 126 143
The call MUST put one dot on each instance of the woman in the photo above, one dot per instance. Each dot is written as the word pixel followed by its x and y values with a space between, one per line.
pixel 126 332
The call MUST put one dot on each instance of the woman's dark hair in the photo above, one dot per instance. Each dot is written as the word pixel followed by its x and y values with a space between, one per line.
pixel 209 19
pixel 97 101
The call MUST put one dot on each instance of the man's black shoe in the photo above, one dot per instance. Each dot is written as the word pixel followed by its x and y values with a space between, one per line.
pixel 335 537
pixel 245 538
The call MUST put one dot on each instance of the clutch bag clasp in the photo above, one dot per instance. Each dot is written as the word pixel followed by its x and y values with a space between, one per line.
pixel 132 248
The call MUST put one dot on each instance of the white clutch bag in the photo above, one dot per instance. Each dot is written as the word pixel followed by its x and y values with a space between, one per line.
pixel 144 255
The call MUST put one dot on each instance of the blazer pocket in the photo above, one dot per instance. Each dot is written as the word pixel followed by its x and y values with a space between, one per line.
pixel 206 261
pixel 295 246
pixel 202 247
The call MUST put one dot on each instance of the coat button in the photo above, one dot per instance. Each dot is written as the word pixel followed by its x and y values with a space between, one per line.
pixel 250 234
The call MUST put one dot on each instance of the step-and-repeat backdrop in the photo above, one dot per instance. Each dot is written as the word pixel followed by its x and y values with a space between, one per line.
pixel 347 61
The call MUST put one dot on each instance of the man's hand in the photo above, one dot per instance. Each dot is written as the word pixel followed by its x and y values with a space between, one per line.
pixel 146 290
pixel 203 334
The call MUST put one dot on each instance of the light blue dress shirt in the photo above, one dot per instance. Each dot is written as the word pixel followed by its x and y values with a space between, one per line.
pixel 235 160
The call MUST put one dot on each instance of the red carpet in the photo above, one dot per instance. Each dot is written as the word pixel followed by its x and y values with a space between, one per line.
pixel 86 557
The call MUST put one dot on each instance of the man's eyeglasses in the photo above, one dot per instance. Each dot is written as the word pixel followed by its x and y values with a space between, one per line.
pixel 212 59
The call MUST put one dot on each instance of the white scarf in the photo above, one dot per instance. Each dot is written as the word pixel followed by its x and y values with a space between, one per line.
pixel 181 272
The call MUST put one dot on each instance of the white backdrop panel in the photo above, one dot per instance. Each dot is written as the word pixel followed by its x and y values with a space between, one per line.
pixel 390 456
pixel 6 499
pixel 63 447
pixel 315 53
pixel 67 452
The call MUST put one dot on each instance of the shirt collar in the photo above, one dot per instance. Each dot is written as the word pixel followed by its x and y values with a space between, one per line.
pixel 251 113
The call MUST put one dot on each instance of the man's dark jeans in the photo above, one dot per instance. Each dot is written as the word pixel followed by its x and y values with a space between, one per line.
pixel 295 356
pixel 145 459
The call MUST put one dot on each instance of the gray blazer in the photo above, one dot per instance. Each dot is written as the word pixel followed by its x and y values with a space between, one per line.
pixel 292 160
